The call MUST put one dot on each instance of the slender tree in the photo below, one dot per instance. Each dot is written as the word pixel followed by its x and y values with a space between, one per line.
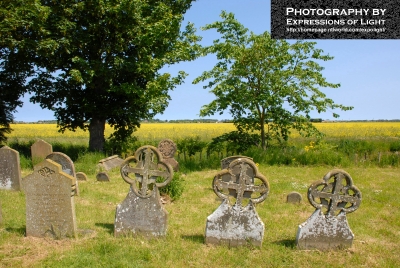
pixel 269 86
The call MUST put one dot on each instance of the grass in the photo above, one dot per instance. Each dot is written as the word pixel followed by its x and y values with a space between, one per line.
pixel 376 225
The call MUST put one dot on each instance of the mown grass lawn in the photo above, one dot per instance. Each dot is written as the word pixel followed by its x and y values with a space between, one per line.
pixel 376 226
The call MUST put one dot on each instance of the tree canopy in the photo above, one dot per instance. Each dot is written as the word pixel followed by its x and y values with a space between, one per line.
pixel 269 86
pixel 98 62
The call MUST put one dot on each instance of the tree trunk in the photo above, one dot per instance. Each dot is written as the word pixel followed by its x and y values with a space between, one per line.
pixel 262 125
pixel 96 134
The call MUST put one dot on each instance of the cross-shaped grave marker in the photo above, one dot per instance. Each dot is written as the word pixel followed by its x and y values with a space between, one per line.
pixel 327 228
pixel 142 205
pixel 237 225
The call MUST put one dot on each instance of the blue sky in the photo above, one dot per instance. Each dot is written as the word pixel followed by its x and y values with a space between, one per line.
pixel 368 70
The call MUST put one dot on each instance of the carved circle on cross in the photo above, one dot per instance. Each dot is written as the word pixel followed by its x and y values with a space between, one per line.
pixel 335 193
pixel 149 171
pixel 239 178
pixel 167 148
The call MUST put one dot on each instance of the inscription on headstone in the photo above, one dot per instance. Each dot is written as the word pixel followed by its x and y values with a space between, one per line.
pixel 10 170
pixel 40 149
pixel 142 212
pixel 67 165
pixel 50 208
pixel 327 228
pixel 237 225
pixel 167 149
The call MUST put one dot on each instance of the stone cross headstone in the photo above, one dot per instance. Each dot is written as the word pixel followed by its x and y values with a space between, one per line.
pixel 237 225
pixel 10 170
pixel 167 149
pixel 226 161
pixel 67 165
pixel 142 212
pixel 50 208
pixel 40 149
pixel 294 197
pixel 327 228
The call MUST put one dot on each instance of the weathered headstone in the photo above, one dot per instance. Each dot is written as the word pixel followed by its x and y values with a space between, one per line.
pixel 50 208
pixel 294 197
pixel 142 212
pixel 80 176
pixel 40 149
pixel 67 165
pixel 102 176
pixel 237 225
pixel 167 149
pixel 327 228
pixel 110 163
pixel 10 170
pixel 226 161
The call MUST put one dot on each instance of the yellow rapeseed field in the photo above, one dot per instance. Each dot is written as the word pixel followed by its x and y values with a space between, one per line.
pixel 206 131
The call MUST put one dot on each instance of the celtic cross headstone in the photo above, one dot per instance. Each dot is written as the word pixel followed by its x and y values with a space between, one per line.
pixel 237 224
pixel 167 149
pixel 142 212
pixel 327 228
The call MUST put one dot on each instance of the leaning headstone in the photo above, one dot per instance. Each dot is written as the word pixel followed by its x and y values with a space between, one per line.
pixel 237 225
pixel 40 149
pixel 102 176
pixel 67 165
pixel 50 208
pixel 327 228
pixel 110 163
pixel 10 170
pixel 294 197
pixel 167 149
pixel 80 176
pixel 226 161
pixel 142 212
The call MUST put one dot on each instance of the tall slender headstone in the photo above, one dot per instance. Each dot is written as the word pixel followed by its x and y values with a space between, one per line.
pixel 238 224
pixel 327 228
pixel 142 212
pixel 40 149
pixel 10 170
pixel 50 207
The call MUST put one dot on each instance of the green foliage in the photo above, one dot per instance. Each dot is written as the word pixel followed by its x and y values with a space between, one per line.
pixel 394 146
pixel 269 86
pixel 191 146
pixel 175 188
pixel 96 61
pixel 236 142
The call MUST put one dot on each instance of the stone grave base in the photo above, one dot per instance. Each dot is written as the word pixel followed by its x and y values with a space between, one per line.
pixel 324 232
pixel 141 216
pixel 234 226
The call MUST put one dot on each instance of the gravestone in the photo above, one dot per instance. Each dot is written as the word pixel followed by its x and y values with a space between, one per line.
pixel 110 163
pixel 167 149
pixel 102 176
pixel 294 197
pixel 67 165
pixel 327 228
pixel 80 176
pixel 142 212
pixel 50 208
pixel 40 149
pixel 226 161
pixel 237 225
pixel 10 170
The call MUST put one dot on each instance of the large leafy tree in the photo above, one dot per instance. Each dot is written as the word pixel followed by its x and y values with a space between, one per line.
pixel 98 61
pixel 269 86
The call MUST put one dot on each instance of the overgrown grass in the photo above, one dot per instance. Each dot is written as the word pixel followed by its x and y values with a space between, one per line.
pixel 376 226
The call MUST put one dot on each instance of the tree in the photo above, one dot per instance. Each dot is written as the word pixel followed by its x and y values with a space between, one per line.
pixel 98 62
pixel 269 86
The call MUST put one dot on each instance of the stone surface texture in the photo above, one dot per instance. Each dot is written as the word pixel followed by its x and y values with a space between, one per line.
pixel 102 176
pixel 10 170
pixel 237 225
pixel 327 228
pixel 142 212
pixel 167 148
pixel 50 208
pixel 40 149
pixel 226 161
pixel 67 165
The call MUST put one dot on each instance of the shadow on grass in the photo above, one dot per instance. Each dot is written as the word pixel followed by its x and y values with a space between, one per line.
pixel 19 230
pixel 108 226
pixel 288 243
pixel 195 238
